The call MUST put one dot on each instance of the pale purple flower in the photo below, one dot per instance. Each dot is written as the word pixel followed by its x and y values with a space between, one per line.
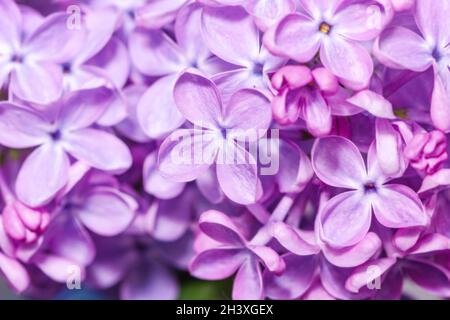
pixel 264 12
pixel 337 30
pixel 286 144
pixel 155 54
pixel 399 47
pixel 32 58
pixel 152 14
pixel 346 218
pixel 187 153
pixel 103 60
pixel 231 34
pixel 68 131
pixel 230 252
pixel 306 94
pixel 424 264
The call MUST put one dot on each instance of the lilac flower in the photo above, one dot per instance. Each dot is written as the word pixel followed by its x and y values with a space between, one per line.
pixel 154 53
pixel 199 101
pixel 312 95
pixel 230 253
pixel 137 147
pixel 157 13
pixel 334 28
pixel 33 58
pixel 423 264
pixel 149 14
pixel 231 34
pixel 402 48
pixel 66 132
pixel 338 163
pixel 104 61
pixel 139 264
pixel 264 12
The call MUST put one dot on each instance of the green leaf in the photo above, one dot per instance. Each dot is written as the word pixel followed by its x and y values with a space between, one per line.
pixel 206 290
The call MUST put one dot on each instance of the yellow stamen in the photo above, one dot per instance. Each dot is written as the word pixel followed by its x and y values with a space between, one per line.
pixel 324 28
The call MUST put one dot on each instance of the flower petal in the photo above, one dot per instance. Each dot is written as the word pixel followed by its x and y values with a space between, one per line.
pixel 186 154
pixel 155 184
pixel 432 20
pixel 40 83
pixel 66 237
pixel 397 206
pixel 334 281
pixel 10 24
pixel 57 268
pixel 42 175
pixel 54 41
pixel 317 114
pixel 237 174
pixel 366 274
pixel 221 228
pixel 106 211
pixel 358 22
pixel 248 111
pixel 230 33
pixel 295 169
pixel 285 38
pixel 373 103
pixel 248 284
pixel 429 276
pixel 390 157
pixel 155 14
pixel 98 148
pixel 346 219
pixel 172 218
pixel 403 49
pixel 154 54
pixel 269 257
pixel 217 264
pixel 348 61
pixel 14 272
pixel 209 187
pixel 188 33
pixel 292 240
pixel 83 108
pixel 355 255
pixel 156 111
pixel 338 163
pixel 440 102
pixel 198 100
pixel 294 281
pixel 21 128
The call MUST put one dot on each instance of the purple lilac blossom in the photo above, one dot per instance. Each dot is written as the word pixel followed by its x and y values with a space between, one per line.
pixel 298 148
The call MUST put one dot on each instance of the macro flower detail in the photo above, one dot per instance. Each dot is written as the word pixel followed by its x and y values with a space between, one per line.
pixel 187 153
pixel 33 57
pixel 225 149
pixel 44 172
pixel 334 29
pixel 403 48
pixel 338 163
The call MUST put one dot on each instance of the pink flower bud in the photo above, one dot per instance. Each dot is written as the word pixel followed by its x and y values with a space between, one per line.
pixel 427 151
pixel 325 80
pixel 22 223
pixel 292 77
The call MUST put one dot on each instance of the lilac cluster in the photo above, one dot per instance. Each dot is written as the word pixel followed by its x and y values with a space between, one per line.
pixel 297 146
